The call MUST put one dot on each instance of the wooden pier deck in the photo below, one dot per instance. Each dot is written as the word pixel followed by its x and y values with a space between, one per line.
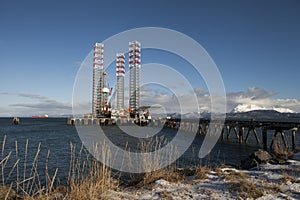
pixel 238 127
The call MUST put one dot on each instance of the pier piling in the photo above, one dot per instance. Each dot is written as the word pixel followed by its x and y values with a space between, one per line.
pixel 294 138
pixel 265 138
pixel 241 134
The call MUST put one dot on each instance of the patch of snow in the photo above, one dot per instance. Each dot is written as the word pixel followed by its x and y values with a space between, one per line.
pixel 162 182
pixel 247 108
pixel 283 110
pixel 295 187
pixel 276 196
pixel 250 107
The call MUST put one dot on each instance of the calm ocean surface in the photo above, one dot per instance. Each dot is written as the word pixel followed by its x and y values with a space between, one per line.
pixel 55 136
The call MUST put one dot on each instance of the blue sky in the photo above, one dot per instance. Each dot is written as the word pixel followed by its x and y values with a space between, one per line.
pixel 255 44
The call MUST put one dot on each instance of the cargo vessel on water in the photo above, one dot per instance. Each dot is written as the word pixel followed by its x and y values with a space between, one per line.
pixel 40 116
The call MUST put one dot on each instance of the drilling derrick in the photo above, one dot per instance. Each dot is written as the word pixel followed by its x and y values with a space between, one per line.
pixel 97 73
pixel 120 74
pixel 134 77
pixel 101 91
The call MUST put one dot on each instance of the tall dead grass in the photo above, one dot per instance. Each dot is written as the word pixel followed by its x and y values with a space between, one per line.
pixel 280 150
pixel 24 183
pixel 158 164
pixel 201 172
pixel 88 179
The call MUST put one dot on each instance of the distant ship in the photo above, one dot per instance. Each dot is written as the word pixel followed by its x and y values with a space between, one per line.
pixel 40 116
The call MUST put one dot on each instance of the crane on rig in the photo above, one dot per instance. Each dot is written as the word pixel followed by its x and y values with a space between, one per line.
pixel 105 93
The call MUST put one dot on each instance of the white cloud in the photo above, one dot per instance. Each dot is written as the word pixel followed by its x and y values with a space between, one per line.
pixel 37 105
pixel 258 98
pixel 253 98
pixel 31 96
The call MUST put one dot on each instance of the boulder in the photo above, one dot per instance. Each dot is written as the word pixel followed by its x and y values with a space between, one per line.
pixel 258 157
pixel 248 163
pixel 262 157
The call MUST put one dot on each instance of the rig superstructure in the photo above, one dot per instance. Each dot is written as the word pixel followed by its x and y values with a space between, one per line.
pixel 134 77
pixel 101 106
pixel 120 75
pixel 97 71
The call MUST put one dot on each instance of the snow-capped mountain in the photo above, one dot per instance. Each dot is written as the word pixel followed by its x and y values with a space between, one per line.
pixel 250 107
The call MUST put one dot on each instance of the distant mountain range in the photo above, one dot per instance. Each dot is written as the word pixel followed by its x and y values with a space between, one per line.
pixel 264 115
pixel 253 114
pixel 242 111
pixel 245 111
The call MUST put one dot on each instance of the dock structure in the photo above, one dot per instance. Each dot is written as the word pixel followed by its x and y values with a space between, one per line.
pixel 79 121
pixel 241 130
pixel 89 121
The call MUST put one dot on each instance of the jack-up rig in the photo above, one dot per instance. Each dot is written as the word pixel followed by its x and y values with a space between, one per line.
pixel 102 93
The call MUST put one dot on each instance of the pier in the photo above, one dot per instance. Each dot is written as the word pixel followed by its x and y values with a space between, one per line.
pixel 83 121
pixel 241 130
pixel 231 129
pixel 90 121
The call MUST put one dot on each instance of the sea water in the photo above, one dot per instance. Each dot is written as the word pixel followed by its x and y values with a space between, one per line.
pixel 56 137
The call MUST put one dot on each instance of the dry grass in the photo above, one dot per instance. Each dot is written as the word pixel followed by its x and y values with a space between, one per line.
pixel 151 166
pixel 27 184
pixel 280 151
pixel 201 172
pixel 88 179
pixel 7 193
pixel 241 184
pixel 244 187
pixel 166 195
pixel 287 178
pixel 169 174
pixel 218 169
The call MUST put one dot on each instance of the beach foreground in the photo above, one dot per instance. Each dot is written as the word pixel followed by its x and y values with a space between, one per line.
pixel 263 182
